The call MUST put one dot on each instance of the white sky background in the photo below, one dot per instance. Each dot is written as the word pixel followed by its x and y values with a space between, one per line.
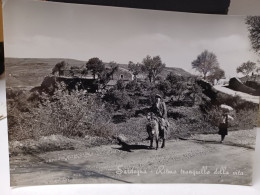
pixel 55 30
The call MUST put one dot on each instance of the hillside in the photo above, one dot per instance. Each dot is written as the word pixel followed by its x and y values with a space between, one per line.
pixel 30 72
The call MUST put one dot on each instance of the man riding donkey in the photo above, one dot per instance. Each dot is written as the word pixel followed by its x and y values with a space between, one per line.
pixel 157 121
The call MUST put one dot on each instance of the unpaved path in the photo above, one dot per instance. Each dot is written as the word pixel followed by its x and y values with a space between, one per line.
pixel 200 159
pixel 244 96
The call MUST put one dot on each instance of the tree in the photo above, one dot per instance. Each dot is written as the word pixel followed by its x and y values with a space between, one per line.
pixel 84 72
pixel 59 68
pixel 246 68
pixel 96 66
pixel 153 66
pixel 216 74
pixel 205 63
pixel 114 68
pixel 107 74
pixel 253 25
pixel 134 68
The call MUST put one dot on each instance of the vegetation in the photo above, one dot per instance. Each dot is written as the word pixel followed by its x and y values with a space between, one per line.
pixel 216 74
pixel 193 106
pixel 65 113
pixel 206 63
pixel 59 67
pixel 246 68
pixel 134 68
pixel 253 25
pixel 153 66
pixel 96 66
pixel 114 67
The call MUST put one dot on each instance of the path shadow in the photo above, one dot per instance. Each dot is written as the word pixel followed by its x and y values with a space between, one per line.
pixel 130 147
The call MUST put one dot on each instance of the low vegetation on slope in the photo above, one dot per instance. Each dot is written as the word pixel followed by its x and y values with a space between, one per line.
pixel 193 108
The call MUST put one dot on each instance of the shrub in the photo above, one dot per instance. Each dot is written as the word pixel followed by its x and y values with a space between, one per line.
pixel 245 119
pixel 120 99
pixel 133 86
pixel 134 129
pixel 70 114
pixel 165 87
pixel 213 116
pixel 235 102
pixel 120 85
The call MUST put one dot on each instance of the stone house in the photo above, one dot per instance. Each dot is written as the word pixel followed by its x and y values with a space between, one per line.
pixel 122 74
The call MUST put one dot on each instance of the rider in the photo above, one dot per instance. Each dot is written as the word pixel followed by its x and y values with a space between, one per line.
pixel 160 111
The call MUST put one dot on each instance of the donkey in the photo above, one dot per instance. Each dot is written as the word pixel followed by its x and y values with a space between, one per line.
pixel 153 130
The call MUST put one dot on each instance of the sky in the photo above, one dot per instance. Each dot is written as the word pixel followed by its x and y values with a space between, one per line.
pixel 35 29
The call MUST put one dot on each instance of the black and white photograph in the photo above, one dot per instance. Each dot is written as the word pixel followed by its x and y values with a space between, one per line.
pixel 101 94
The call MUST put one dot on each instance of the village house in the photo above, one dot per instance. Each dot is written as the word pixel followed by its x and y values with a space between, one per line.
pixel 77 72
pixel 122 74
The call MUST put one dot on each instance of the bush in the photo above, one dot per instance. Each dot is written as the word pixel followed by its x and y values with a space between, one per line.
pixel 214 115
pixel 120 85
pixel 134 129
pixel 120 99
pixel 133 86
pixel 235 102
pixel 70 114
pixel 253 84
pixel 246 119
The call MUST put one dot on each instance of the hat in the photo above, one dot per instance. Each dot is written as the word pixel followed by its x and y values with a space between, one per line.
pixel 158 96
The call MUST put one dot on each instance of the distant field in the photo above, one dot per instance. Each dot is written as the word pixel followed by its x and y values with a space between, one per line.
pixel 29 72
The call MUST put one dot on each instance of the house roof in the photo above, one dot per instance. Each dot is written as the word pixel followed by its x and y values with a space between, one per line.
pixel 124 70
pixel 112 83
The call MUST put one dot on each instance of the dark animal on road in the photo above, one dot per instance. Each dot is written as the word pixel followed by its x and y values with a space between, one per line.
pixel 153 130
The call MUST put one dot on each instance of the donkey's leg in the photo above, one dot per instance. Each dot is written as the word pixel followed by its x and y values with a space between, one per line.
pixel 163 143
pixel 157 143
pixel 151 142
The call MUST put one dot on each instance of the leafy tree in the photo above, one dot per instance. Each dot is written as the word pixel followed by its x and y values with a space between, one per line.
pixel 253 25
pixel 96 66
pixel 135 68
pixel 205 63
pixel 114 68
pixel 172 78
pixel 216 74
pixel 153 66
pixel 107 74
pixel 246 68
pixel 73 70
pixel 84 72
pixel 59 68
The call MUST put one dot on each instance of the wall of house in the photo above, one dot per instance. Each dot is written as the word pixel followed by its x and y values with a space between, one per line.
pixel 122 74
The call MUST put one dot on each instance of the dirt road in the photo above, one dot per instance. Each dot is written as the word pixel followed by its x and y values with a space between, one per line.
pixel 244 96
pixel 200 159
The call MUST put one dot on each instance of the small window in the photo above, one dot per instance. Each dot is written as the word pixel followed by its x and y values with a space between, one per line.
pixel 121 76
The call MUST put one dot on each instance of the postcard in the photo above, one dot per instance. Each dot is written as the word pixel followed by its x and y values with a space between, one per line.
pixel 116 95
